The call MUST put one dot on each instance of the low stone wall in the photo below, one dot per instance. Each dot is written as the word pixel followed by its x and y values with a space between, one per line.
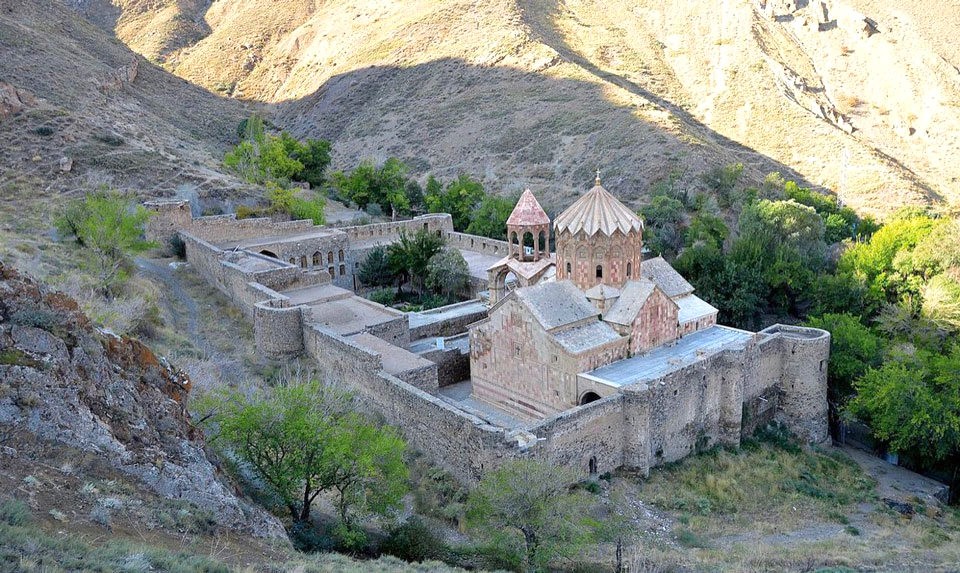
pixel 594 432
pixel 452 365
pixel 477 243
pixel 460 443
pixel 225 228
pixel 437 222
pixel 446 328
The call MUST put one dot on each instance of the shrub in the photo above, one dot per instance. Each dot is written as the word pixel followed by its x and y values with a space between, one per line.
pixel 177 247
pixel 15 512
pixel 413 541
pixel 306 538
pixel 383 296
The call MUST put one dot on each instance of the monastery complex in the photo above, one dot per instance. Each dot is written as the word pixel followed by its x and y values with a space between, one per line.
pixel 589 356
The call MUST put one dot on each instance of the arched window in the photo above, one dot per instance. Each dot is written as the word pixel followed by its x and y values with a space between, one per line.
pixel 303 261
pixel 343 270
pixel 317 259
pixel 599 271
pixel 329 257
pixel 341 255
pixel 332 272
pixel 592 465
pixel 629 269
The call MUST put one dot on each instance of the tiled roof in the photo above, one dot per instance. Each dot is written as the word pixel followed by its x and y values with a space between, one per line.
pixel 634 295
pixel 528 212
pixel 693 307
pixel 598 212
pixel 555 303
pixel 666 277
pixel 586 336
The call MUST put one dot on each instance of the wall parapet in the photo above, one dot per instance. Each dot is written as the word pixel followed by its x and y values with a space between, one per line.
pixel 477 243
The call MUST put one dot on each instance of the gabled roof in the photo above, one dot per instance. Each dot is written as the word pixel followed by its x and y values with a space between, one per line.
pixel 631 301
pixel 586 336
pixel 555 304
pixel 598 212
pixel 528 211
pixel 693 307
pixel 666 277
pixel 602 292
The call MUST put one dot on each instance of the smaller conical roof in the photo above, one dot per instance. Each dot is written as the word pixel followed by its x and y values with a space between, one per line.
pixel 528 212
pixel 598 212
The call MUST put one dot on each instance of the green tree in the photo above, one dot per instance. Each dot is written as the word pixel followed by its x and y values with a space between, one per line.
pixel 664 225
pixel 314 154
pixel 941 300
pixel 708 229
pixel 301 439
pixel 531 503
pixel 854 349
pixel 723 181
pixel 375 270
pixel 912 402
pixel 460 198
pixel 368 471
pixel 448 273
pixel 490 218
pixel 109 227
pixel 409 257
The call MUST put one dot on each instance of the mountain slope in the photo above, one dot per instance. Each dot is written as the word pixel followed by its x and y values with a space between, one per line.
pixel 541 92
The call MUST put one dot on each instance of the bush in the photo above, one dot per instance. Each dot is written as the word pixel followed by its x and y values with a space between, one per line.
pixel 383 296
pixel 15 512
pixel 413 541
pixel 177 247
pixel 305 537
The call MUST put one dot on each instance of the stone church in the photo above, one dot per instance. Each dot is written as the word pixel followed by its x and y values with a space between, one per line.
pixel 592 303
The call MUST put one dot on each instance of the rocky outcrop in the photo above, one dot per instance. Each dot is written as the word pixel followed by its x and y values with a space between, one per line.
pixel 62 379
pixel 12 100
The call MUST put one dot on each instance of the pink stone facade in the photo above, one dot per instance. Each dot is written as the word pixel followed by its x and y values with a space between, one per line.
pixel 616 258
pixel 656 323
pixel 517 365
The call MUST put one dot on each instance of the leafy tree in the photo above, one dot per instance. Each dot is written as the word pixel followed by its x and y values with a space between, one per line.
pixel 384 186
pixel 375 270
pixel 664 220
pixel 368 471
pixel 360 185
pixel 300 439
pixel 531 502
pixel 109 226
pixel 285 200
pixel 460 198
pixel 314 155
pixel 706 228
pixel 448 273
pixel 885 263
pixel 854 349
pixel 490 218
pixel 843 293
pixel 912 402
pixel 414 194
pixel 941 300
pixel 409 257
pixel 723 181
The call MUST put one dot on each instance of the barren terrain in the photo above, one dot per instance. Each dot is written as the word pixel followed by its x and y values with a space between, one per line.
pixel 860 97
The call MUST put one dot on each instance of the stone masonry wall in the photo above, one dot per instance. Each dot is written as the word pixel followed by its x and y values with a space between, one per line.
pixel 452 365
pixel 462 444
pixel 593 431
pixel 278 328
pixel 803 384
pixel 479 244
pixel 449 327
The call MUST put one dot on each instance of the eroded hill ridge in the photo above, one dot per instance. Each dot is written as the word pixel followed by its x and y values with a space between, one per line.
pixel 858 96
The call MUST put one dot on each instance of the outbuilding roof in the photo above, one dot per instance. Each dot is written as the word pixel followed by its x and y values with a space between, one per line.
pixel 528 211
pixel 598 211
pixel 666 277
pixel 556 304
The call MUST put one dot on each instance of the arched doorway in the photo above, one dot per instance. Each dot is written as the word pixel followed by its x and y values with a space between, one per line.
pixel 267 253
pixel 589 397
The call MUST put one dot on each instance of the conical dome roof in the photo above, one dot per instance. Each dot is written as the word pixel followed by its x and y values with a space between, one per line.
pixel 528 212
pixel 598 211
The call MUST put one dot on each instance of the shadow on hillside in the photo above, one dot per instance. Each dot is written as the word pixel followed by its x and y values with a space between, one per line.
pixel 514 128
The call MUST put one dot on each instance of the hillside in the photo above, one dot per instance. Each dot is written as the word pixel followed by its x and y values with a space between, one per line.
pixel 78 109
pixel 860 97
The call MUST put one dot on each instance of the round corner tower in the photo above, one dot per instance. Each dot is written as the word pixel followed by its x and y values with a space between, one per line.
pixel 599 241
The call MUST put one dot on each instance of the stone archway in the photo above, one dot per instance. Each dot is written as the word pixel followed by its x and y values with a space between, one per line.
pixel 267 253
pixel 589 397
